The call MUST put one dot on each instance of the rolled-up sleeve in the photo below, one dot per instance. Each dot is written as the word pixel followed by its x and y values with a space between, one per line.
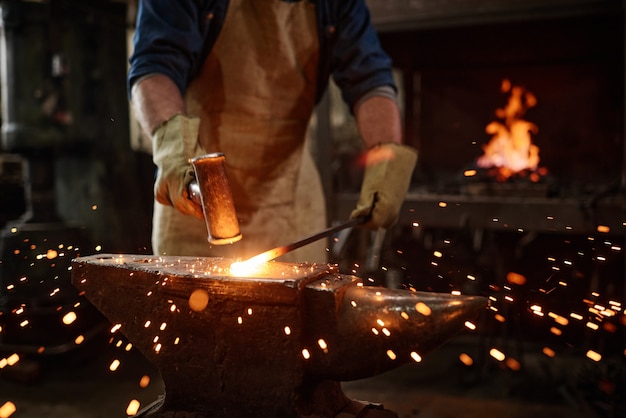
pixel 358 61
pixel 168 39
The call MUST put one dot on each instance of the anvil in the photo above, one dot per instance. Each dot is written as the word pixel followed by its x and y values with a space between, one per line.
pixel 274 345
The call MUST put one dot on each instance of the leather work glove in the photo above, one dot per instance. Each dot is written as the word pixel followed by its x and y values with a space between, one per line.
pixel 388 170
pixel 174 143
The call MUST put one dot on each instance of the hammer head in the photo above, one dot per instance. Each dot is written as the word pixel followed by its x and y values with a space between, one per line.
pixel 212 191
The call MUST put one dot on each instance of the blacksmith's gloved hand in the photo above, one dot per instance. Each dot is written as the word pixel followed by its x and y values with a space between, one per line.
pixel 174 143
pixel 388 171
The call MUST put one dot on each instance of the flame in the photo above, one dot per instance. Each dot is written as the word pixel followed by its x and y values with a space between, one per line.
pixel 510 149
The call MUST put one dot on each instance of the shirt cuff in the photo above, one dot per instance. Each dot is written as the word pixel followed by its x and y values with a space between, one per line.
pixel 382 91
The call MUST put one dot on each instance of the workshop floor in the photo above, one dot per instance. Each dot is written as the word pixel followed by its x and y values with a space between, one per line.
pixel 439 387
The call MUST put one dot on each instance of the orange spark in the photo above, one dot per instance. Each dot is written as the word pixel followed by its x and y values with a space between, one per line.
pixel 132 408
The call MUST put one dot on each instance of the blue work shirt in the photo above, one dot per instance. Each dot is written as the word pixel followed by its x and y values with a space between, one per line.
pixel 174 38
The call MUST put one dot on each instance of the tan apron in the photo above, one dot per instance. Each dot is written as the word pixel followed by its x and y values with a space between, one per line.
pixel 255 95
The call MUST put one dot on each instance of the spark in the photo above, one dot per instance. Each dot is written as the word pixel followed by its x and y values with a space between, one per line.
pixel 423 309
pixel 322 344
pixel 470 325
pixel 576 316
pixel 466 359
pixel 287 331
pixel 144 381
pixel 416 357
pixel 79 340
pixel 513 364
pixel 198 300
pixel 306 354
pixel 132 408
pixel 69 317
pixel 7 409
pixel 603 229
pixel 594 356
pixel 548 352
pixel 9 361
pixel 497 354
pixel 391 354
pixel 114 365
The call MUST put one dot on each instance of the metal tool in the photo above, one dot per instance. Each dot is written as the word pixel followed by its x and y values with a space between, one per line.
pixel 278 251
pixel 212 191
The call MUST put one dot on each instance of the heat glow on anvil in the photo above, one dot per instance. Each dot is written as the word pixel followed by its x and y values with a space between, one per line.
pixel 273 345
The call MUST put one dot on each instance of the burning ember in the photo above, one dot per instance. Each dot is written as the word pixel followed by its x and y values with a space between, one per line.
pixel 510 150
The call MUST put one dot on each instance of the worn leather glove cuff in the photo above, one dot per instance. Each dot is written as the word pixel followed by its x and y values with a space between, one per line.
pixel 387 177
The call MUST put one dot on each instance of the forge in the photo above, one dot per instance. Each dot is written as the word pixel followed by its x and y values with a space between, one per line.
pixel 275 344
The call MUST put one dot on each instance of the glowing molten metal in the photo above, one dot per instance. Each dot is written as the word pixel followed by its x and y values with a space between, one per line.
pixel 255 265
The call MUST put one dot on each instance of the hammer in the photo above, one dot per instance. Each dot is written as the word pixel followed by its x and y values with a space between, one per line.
pixel 212 192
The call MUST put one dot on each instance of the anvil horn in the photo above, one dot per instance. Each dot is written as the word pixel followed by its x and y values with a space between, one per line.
pixel 373 329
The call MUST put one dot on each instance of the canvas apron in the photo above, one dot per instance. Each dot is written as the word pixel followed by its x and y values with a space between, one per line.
pixel 255 95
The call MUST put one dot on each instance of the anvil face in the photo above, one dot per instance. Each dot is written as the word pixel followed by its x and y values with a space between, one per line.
pixel 248 346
